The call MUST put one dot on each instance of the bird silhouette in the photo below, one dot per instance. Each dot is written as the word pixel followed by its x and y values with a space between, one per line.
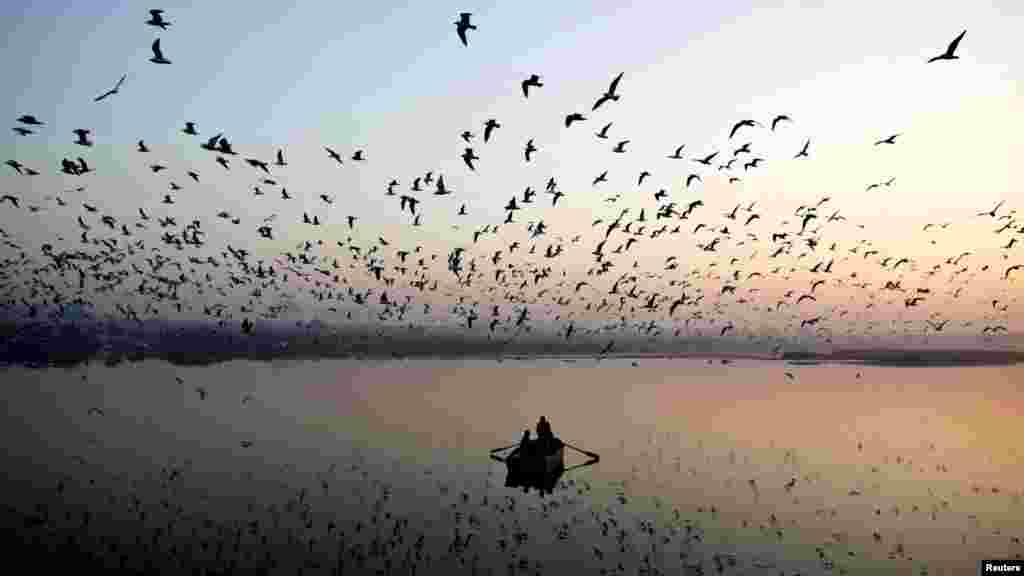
pixel 156 19
pixel 574 117
pixel 803 151
pixel 780 118
pixel 83 139
pixel 889 140
pixel 158 55
pixel 677 155
pixel 533 80
pixel 463 24
pixel 707 159
pixel 741 124
pixel 610 93
pixel 489 127
pixel 468 157
pixel 30 120
pixel 949 53
pixel 530 149
pixel 333 154
pixel 112 91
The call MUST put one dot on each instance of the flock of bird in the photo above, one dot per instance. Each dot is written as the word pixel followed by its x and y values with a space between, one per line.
pixel 522 279
pixel 116 257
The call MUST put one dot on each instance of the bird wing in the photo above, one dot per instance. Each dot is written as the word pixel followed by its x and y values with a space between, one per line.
pixel 955 43
pixel 157 53
pixel 119 82
pixel 615 83
pixel 462 35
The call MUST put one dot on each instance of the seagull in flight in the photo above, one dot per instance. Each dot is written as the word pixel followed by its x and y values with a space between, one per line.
pixel 156 19
pixel 489 127
pixel 949 53
pixel 678 153
pixel 112 91
pixel 741 124
pixel 803 151
pixel 462 24
pixel 707 159
pixel 530 149
pixel 158 55
pixel 30 120
pixel 468 157
pixel 333 154
pixel 574 117
pixel 83 139
pixel 609 94
pixel 533 80
pixel 780 118
pixel 889 140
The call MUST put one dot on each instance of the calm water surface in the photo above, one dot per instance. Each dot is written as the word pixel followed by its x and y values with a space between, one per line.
pixel 845 468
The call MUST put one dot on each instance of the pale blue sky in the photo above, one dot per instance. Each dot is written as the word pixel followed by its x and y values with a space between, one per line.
pixel 393 79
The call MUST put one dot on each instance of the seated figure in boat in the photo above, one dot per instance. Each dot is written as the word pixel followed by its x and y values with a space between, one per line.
pixel 525 444
pixel 545 438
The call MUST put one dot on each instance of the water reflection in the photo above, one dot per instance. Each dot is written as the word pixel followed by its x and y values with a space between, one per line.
pixel 857 469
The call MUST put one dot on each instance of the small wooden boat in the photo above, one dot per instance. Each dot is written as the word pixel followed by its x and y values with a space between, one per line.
pixel 541 465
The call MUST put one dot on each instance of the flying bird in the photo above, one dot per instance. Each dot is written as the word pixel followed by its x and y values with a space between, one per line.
pixel 707 159
pixel 780 118
pixel 741 124
pixel 83 139
pixel 574 117
pixel 489 127
pixel 112 91
pixel 158 54
pixel 468 157
pixel 533 80
pixel 530 149
pixel 949 53
pixel 677 155
pixel 462 24
pixel 333 154
pixel 889 140
pixel 156 19
pixel 30 120
pixel 609 94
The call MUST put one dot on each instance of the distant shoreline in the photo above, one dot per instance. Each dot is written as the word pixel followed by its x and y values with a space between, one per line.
pixel 866 357
pixel 69 345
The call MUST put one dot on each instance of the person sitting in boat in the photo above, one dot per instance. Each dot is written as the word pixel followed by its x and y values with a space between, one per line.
pixel 544 434
pixel 525 444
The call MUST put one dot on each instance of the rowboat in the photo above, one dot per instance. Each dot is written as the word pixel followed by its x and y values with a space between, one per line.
pixel 541 465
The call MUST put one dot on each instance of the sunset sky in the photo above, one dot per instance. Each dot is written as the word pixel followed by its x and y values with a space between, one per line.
pixel 394 80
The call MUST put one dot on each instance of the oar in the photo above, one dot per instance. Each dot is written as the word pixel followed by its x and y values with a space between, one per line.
pixel 504 448
pixel 590 454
